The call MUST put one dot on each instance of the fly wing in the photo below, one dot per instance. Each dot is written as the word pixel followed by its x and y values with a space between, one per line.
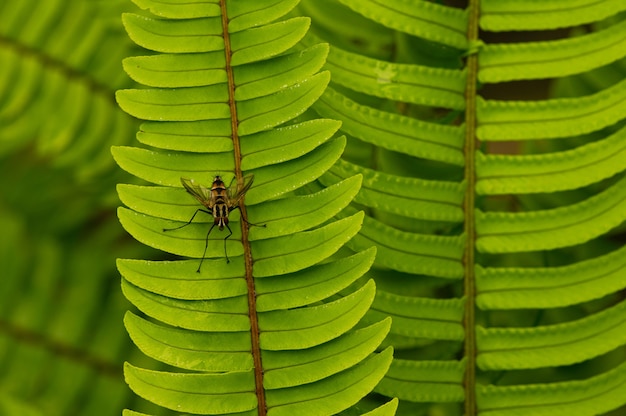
pixel 241 190
pixel 201 193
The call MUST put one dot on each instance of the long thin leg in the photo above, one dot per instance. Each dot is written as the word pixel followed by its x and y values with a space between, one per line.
pixel 246 220
pixel 206 244
pixel 189 222
pixel 225 253
pixel 251 223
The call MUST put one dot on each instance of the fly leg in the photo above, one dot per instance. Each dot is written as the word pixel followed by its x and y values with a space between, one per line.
pixel 230 233
pixel 246 220
pixel 206 244
pixel 189 222
pixel 251 223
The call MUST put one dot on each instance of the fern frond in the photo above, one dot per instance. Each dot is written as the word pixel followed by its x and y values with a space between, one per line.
pixel 46 342
pixel 222 99
pixel 54 62
pixel 60 305
pixel 446 212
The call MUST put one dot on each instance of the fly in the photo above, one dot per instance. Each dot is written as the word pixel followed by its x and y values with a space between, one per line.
pixel 220 202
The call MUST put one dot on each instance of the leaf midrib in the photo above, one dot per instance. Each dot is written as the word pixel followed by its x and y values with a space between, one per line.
pixel 247 251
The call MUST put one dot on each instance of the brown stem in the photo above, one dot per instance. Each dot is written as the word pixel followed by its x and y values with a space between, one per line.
pixel 469 206
pixel 254 323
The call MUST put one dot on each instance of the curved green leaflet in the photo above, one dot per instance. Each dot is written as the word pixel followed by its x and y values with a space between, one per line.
pixel 409 83
pixel 439 381
pixel 559 344
pixel 594 394
pixel 499 232
pixel 432 200
pixel 418 253
pixel 439 319
pixel 531 60
pixel 551 119
pixel 557 171
pixel 394 131
pixel 550 287
pixel 424 19
pixel 499 15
